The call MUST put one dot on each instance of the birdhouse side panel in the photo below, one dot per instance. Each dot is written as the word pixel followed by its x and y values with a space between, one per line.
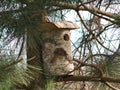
pixel 56 49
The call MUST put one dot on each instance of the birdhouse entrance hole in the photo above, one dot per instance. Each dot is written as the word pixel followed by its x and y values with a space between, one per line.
pixel 66 37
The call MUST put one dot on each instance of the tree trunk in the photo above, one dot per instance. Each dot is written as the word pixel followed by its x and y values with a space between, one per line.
pixel 36 52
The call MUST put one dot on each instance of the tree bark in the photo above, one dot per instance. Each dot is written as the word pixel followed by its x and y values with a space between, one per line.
pixel 83 8
pixel 36 51
pixel 86 78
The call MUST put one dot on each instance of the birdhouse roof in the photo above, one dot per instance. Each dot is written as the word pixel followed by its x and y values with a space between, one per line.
pixel 61 25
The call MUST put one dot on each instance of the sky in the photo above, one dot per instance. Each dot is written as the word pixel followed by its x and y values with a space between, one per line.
pixel 111 34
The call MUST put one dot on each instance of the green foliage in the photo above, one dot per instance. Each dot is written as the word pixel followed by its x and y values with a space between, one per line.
pixel 13 75
pixel 110 65
pixel 50 85
pixel 6 85
pixel 117 20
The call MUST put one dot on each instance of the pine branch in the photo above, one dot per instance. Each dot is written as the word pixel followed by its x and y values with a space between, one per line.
pixel 64 5
pixel 86 78
pixel 109 85
pixel 84 8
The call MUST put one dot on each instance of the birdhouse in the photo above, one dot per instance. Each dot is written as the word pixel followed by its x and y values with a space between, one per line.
pixel 56 49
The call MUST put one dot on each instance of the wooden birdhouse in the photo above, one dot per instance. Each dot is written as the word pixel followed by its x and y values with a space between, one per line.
pixel 56 49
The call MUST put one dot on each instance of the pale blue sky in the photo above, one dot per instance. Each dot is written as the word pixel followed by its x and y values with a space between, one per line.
pixel 110 34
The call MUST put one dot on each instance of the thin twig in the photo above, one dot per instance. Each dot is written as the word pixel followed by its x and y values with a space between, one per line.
pixel 91 65
pixel 112 87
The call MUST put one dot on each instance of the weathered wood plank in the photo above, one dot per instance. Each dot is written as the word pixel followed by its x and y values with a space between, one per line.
pixel 61 25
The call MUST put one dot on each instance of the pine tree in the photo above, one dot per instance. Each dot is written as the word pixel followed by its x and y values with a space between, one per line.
pixel 20 21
